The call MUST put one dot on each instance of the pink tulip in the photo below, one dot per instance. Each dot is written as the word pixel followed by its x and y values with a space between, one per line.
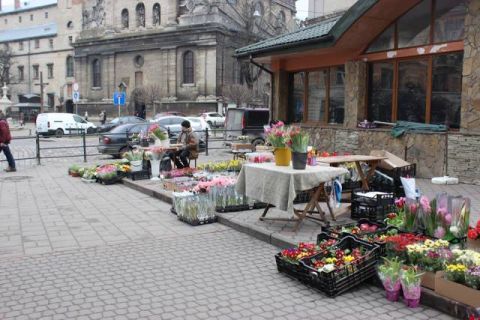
pixel 439 233
pixel 448 219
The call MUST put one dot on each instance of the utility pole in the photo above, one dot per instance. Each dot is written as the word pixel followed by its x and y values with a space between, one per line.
pixel 42 88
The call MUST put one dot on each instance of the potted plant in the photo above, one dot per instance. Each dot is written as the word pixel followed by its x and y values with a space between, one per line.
pixel 90 175
pixel 74 170
pixel 135 157
pixel 160 137
pixel 411 279
pixel 107 174
pixel 298 142
pixel 389 274
pixel 276 136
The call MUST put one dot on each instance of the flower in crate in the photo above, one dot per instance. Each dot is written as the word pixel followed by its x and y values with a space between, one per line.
pixel 474 232
pixel 467 257
pixel 294 255
pixel 472 277
pixel 456 272
pixel 107 172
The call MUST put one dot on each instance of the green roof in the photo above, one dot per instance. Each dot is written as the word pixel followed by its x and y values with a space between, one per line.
pixel 325 32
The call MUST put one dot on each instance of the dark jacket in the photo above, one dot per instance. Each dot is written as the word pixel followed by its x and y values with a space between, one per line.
pixel 5 136
pixel 190 140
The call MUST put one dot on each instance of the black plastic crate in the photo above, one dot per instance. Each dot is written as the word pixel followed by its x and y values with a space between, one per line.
pixel 302 197
pixel 326 236
pixel 351 185
pixel 243 207
pixel 389 180
pixel 294 270
pixel 373 209
pixel 344 278
pixel 198 222
pixel 139 175
pixel 329 229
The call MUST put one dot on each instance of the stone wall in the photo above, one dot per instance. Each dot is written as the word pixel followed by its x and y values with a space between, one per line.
pixel 471 70
pixel 464 157
pixel 355 90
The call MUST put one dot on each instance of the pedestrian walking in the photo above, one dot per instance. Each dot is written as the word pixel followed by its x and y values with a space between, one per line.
pixel 5 138
pixel 100 116
pixel 104 116
pixel 86 115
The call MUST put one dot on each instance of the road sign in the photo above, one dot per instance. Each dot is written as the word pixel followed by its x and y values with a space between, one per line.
pixel 75 87
pixel 75 96
pixel 119 98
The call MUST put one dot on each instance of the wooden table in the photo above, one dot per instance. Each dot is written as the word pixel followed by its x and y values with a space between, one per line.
pixel 278 186
pixel 372 161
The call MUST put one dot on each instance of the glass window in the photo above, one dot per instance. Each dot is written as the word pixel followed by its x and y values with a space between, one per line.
pixel 156 14
pixel 21 73
pixel 125 18
pixel 51 100
pixel 37 43
pixel 336 107
pixel 380 92
pixel 385 42
pixel 69 65
pixel 449 20
pixel 96 73
pixel 78 119
pixel 36 73
pixel 297 100
pixel 412 90
pixel 140 10
pixel 317 95
pixel 188 69
pixel 50 43
pixel 50 70
pixel 414 27
pixel 447 89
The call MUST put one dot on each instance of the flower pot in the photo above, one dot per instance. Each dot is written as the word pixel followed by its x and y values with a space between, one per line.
pixel 136 165
pixel 299 160
pixel 412 303
pixel 155 166
pixel 393 295
pixel 411 294
pixel 283 156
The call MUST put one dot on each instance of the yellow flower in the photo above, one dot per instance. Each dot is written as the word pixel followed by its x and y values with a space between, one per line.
pixel 456 268
pixel 348 259
pixel 330 260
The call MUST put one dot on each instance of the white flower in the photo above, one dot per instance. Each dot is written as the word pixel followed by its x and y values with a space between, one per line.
pixel 328 268
pixel 454 230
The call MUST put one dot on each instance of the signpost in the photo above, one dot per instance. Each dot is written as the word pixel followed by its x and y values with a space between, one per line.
pixel 75 99
pixel 119 99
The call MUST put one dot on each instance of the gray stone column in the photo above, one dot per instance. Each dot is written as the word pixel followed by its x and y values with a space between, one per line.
pixel 355 91
pixel 470 112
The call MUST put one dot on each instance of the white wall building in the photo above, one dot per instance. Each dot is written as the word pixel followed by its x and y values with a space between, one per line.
pixel 319 8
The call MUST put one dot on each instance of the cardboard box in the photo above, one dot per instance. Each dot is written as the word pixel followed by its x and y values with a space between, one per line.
pixel 473 244
pixel 241 146
pixel 457 291
pixel 263 149
pixel 429 280
pixel 391 162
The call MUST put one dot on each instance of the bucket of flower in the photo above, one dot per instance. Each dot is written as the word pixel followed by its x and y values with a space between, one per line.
pixel 288 260
pixel 90 175
pixel 135 158
pixel 431 256
pixel 461 278
pixel 347 264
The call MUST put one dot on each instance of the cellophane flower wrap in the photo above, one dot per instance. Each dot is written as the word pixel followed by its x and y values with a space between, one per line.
pixel 389 274
pixel 157 133
pixel 430 255
pixel 297 139
pixel 277 135
pixel 410 215
pixel 411 279
pixel 155 153
pixel 429 217
pixel 460 217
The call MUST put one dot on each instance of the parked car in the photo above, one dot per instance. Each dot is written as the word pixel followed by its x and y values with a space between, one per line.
pixel 168 113
pixel 246 122
pixel 171 123
pixel 199 125
pixel 214 119
pixel 58 124
pixel 119 121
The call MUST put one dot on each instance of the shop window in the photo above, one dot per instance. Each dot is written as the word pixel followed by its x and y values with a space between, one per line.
pixel 125 19
pixel 317 95
pixel 188 67
pixel 414 27
pixel 96 74
pixel 385 42
pixel 297 97
pixel 449 20
pixel 50 43
pixel 380 91
pixel 447 89
pixel 156 14
pixel 20 46
pixel 336 110
pixel 140 10
pixel 412 91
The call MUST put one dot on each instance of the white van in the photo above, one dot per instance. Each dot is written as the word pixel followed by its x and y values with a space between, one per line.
pixel 59 124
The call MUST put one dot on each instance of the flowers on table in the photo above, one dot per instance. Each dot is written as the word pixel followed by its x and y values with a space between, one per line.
pixel 297 139
pixel 277 135
pixel 232 165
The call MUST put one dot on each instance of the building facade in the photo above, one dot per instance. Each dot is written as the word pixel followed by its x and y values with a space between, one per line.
pixel 415 60
pixel 40 40
pixel 184 49
pixel 320 8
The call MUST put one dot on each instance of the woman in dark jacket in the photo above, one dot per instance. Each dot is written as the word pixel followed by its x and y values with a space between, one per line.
pixel 5 138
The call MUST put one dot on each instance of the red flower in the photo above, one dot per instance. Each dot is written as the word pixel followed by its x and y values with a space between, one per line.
pixel 472 234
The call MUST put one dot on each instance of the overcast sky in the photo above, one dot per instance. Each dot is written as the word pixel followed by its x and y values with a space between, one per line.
pixel 302 5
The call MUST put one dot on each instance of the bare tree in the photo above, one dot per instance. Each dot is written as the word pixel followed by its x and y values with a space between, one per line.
pixel 238 94
pixel 6 63
pixel 152 94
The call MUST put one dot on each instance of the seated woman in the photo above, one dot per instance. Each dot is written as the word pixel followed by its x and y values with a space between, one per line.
pixel 189 142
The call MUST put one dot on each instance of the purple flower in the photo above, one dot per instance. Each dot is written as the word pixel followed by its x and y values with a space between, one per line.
pixel 425 203
pixel 439 233
pixel 448 219
pixel 441 212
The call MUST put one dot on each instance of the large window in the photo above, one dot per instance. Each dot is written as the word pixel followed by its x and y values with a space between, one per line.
pixel 318 96
pixel 96 73
pixel 125 19
pixel 404 90
pixel 50 70
pixel 429 22
pixel 156 14
pixel 140 11
pixel 69 66
pixel 188 67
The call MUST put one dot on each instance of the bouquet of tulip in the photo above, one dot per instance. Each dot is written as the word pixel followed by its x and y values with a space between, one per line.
pixel 429 216
pixel 389 274
pixel 410 215
pixel 134 155
pixel 411 278
pixel 157 133
pixel 277 135
pixel 297 139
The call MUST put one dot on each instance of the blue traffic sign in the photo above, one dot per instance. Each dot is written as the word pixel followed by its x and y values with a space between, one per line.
pixel 119 98
pixel 75 96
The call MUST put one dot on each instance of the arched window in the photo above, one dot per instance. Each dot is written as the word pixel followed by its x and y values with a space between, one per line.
pixel 96 73
pixel 125 18
pixel 69 66
pixel 258 9
pixel 281 18
pixel 188 67
pixel 156 14
pixel 140 10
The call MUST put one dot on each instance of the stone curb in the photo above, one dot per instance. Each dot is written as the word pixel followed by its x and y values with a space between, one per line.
pixel 429 297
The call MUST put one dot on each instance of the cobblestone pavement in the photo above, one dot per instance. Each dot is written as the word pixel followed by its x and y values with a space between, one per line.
pixel 81 251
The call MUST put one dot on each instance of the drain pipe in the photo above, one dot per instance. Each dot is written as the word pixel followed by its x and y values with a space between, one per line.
pixel 270 98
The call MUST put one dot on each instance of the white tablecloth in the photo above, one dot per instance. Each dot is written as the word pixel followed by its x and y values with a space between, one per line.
pixel 278 186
